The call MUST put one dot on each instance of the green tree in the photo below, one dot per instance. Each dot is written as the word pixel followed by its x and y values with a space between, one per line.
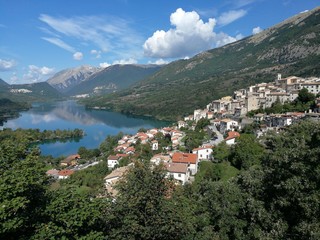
pixel 221 152
pixel 73 215
pixel 246 152
pixel 208 171
pixel 304 96
pixel 291 182
pixel 201 124
pixel 22 187
pixel 143 208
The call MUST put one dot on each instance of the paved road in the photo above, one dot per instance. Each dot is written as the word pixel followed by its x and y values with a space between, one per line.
pixel 219 136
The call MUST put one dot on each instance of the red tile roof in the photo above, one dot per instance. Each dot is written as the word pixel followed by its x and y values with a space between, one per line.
pixel 66 172
pixel 122 155
pixel 232 134
pixel 179 157
pixel 113 157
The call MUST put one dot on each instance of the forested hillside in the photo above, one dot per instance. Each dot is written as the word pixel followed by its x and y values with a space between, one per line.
pixel 291 48
pixel 33 92
pixel 275 195
pixel 10 109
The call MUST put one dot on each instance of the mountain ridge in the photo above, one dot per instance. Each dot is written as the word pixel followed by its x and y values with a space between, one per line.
pixel 66 79
pixel 30 92
pixel 113 78
pixel 291 47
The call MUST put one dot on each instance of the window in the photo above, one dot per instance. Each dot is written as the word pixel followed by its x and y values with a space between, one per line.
pixel 179 175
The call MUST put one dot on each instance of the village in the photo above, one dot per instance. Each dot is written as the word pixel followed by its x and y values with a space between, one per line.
pixel 225 117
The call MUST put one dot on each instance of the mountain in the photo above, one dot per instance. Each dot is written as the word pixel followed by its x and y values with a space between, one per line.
pixel 113 78
pixel 33 92
pixel 66 79
pixel 3 83
pixel 291 47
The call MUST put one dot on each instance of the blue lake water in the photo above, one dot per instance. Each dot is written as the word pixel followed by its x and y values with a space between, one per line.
pixel 97 125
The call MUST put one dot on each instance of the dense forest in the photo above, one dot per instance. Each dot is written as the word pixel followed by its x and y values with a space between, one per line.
pixel 273 194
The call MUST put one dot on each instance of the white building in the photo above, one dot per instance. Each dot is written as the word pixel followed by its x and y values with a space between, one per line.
pixel 155 145
pixel 204 153
pixel 178 171
pixel 187 158
pixel 113 161
pixel 228 125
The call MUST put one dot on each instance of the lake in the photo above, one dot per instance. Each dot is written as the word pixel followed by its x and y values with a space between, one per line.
pixel 97 125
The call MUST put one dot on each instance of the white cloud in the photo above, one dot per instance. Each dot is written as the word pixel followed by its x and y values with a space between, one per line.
pixel 97 53
pixel 78 56
pixel 106 33
pixel 14 79
pixel 242 3
pixel 231 16
pixel 38 74
pixel 222 39
pixel 125 61
pixel 159 62
pixel 7 65
pixel 104 65
pixel 58 42
pixel 189 35
pixel 256 30
pixel 121 62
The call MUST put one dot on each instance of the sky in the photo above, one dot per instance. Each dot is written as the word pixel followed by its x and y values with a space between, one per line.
pixel 40 38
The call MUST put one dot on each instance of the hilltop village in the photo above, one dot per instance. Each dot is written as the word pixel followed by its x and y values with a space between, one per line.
pixel 220 122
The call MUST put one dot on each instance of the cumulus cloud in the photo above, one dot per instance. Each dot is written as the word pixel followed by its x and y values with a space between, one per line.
pixel 121 62
pixel 78 56
pixel 189 35
pixel 125 61
pixel 159 62
pixel 223 39
pixel 38 74
pixel 104 65
pixel 256 30
pixel 97 53
pixel 7 65
pixel 14 78
pixel 231 16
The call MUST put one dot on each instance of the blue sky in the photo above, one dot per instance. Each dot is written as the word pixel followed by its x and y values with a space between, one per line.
pixel 39 38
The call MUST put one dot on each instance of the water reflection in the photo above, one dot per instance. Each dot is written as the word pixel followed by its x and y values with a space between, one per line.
pixel 70 115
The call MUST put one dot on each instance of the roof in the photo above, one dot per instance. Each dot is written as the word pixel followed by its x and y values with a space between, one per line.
pixel 52 172
pixel 279 93
pixel 71 157
pixel 232 134
pixel 201 148
pixel 161 157
pixel 226 120
pixel 118 172
pixel 177 167
pixel 122 155
pixel 130 149
pixel 113 157
pixel 179 157
pixel 66 172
